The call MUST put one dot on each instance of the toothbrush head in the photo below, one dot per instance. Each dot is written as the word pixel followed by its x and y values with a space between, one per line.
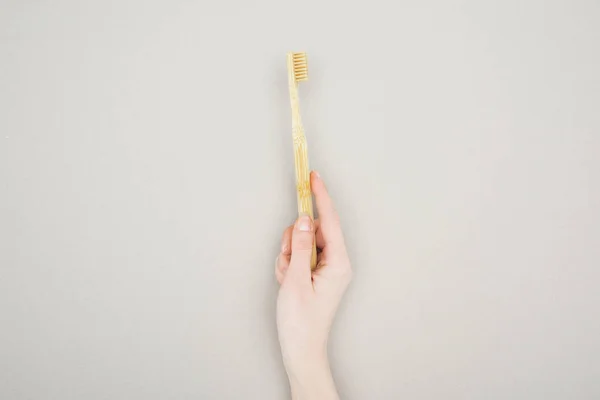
pixel 300 65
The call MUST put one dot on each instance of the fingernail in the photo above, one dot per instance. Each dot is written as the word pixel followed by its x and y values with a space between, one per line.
pixel 317 174
pixel 283 247
pixel 304 223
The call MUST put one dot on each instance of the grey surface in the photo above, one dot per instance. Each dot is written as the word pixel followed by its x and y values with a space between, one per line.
pixel 146 176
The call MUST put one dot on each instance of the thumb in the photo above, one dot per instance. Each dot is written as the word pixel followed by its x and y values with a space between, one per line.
pixel 302 245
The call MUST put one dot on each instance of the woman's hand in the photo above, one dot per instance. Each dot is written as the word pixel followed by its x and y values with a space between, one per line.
pixel 307 300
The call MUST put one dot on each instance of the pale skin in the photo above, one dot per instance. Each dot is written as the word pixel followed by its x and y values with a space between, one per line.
pixel 308 301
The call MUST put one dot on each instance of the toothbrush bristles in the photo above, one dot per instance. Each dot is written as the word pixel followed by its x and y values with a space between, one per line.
pixel 300 67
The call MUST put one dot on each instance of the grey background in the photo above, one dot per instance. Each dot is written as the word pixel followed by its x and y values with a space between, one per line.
pixel 146 177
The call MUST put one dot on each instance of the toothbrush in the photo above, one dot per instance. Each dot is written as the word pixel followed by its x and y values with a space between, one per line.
pixel 298 72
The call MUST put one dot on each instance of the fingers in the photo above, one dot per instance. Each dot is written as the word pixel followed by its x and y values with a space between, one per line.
pixel 286 241
pixel 329 220
pixel 303 236
pixel 293 264
pixel 283 259
pixel 282 264
pixel 320 241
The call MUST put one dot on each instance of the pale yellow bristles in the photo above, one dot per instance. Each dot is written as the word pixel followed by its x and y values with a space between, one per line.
pixel 300 67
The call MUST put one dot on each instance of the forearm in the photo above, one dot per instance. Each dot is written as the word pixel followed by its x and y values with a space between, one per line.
pixel 312 381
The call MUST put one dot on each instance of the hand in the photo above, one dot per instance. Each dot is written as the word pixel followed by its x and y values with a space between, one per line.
pixel 308 301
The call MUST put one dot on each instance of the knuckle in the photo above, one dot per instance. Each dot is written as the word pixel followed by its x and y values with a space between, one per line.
pixel 345 277
pixel 345 273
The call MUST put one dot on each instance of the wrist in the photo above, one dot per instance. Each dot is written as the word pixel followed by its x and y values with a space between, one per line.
pixel 304 365
pixel 311 378
pixel 302 355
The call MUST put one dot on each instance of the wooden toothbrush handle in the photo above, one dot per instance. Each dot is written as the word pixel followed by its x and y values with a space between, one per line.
pixel 305 203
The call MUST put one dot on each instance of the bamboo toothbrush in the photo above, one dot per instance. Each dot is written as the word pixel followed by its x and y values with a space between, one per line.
pixel 298 72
